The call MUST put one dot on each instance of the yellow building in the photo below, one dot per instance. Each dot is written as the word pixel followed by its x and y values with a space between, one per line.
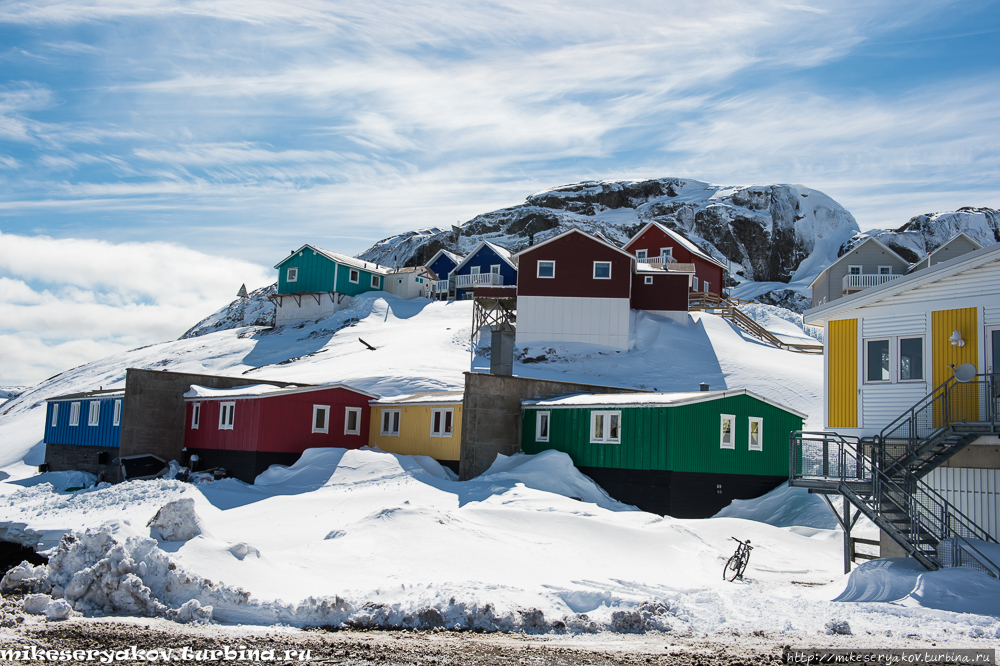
pixel 420 424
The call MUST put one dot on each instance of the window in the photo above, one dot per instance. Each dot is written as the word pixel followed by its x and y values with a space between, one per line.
pixel 694 283
pixel 726 431
pixel 756 434
pixel 877 360
pixel 911 359
pixel 401 281
pixel 474 270
pixel 352 421
pixel 541 426
pixel 640 255
pixel 885 270
pixel 495 269
pixel 854 270
pixel 74 413
pixel 705 286
pixel 377 282
pixel 354 276
pixel 94 416
pixel 227 414
pixel 546 269
pixel 602 270
pixel 649 279
pixel 55 414
pixel 195 415
pixel 441 422
pixel 666 253
pixel 117 420
pixel 390 422
pixel 605 427
pixel 292 275
pixel 321 418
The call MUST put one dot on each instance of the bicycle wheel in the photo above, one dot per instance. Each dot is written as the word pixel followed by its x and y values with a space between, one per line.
pixel 731 564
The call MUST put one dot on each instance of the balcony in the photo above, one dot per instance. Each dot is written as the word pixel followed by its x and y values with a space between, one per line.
pixel 856 282
pixel 441 287
pixel 478 280
pixel 658 261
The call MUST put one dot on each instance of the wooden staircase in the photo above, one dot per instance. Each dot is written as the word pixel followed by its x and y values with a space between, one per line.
pixel 728 308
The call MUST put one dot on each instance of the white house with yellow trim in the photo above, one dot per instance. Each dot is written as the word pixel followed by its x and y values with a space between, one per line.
pixel 890 345
pixel 419 424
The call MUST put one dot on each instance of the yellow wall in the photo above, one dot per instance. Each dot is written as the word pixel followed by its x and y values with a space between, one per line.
pixel 415 432
pixel 842 373
pixel 943 324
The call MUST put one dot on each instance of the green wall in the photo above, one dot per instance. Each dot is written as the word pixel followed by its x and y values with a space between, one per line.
pixel 682 438
pixel 316 274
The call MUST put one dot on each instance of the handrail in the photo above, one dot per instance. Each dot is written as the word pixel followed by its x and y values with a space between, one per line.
pixel 473 279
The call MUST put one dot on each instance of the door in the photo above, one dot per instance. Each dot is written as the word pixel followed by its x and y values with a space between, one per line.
pixel 992 358
pixel 947 355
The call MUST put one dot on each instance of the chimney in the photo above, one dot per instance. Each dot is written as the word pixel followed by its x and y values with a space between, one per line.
pixel 703 386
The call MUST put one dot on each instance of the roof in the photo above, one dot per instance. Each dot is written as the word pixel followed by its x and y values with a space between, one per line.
pixel 340 259
pixel 688 245
pixel 100 393
pixel 197 392
pixel 600 239
pixel 422 398
pixel 845 255
pixel 412 269
pixel 647 400
pixel 930 255
pixel 500 252
pixel 451 255
pixel 873 295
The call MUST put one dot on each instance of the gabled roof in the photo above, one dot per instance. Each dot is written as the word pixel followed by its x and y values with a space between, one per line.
pixel 927 259
pixel 647 400
pixel 451 255
pixel 413 269
pixel 340 259
pixel 101 393
pixel 499 251
pixel 847 254
pixel 873 295
pixel 197 392
pixel 688 245
pixel 574 230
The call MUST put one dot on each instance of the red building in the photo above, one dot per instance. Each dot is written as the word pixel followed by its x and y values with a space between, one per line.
pixel 657 245
pixel 249 428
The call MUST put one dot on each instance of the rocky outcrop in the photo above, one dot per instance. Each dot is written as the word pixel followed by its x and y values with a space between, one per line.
pixel 925 233
pixel 256 310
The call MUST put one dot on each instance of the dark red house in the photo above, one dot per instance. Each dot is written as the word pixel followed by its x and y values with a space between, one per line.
pixel 661 289
pixel 657 245
pixel 249 428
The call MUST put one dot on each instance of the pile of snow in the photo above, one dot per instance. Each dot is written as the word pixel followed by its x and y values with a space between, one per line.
pixel 60 480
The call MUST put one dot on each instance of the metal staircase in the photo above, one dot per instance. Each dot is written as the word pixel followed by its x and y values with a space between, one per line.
pixel 882 475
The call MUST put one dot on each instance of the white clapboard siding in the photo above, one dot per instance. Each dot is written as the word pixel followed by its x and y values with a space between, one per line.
pixel 882 403
pixel 601 321
pixel 975 492
pixel 991 315
pixel 982 282
pixel 904 324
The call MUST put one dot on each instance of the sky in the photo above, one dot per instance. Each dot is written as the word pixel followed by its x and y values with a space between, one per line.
pixel 156 155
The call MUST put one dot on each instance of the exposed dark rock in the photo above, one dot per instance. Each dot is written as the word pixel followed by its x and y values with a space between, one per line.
pixel 786 298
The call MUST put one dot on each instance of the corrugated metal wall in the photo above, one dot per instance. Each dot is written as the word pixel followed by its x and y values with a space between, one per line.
pixel 914 323
pixel 315 273
pixel 105 433
pixel 415 432
pixel 976 493
pixel 842 374
pixel 882 403
pixel 944 354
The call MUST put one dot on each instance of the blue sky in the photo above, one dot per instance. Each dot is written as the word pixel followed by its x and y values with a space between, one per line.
pixel 215 136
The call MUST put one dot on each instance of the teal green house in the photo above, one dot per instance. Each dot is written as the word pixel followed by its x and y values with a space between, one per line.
pixel 314 283
pixel 686 455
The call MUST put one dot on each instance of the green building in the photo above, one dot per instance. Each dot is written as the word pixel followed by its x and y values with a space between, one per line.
pixel 686 455
pixel 314 283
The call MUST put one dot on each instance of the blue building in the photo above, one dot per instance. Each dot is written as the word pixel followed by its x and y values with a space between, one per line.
pixel 442 264
pixel 486 265
pixel 83 431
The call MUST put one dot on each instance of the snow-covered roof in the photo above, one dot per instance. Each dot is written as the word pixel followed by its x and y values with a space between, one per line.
pixel 647 400
pixel 871 295
pixel 500 252
pixel 600 239
pixel 197 392
pixel 688 245
pixel 422 397
pixel 100 393
pixel 451 255
pixel 341 259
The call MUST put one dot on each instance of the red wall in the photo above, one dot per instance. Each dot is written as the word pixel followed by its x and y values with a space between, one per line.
pixel 281 423
pixel 653 239
pixel 668 292
pixel 574 255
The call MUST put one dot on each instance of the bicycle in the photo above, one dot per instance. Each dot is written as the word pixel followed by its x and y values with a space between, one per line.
pixel 737 564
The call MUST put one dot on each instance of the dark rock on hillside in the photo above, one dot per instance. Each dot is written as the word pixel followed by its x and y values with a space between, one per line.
pixel 256 310
pixel 925 233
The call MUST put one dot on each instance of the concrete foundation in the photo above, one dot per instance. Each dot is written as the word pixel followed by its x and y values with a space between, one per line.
pixel 295 308
pixel 491 414
pixel 101 461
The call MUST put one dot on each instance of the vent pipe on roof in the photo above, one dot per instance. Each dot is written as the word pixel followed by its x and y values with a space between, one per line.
pixel 703 386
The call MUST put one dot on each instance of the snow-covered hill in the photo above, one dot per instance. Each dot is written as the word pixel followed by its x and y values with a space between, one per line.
pixel 925 233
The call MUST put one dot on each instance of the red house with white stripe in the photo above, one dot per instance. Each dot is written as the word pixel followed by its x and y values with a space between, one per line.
pixel 249 428
pixel 655 244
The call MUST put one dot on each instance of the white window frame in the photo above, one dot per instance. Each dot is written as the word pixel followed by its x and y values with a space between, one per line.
pixel 704 286
pixel 326 419
pixel 227 408
pixel 666 252
pixel 55 414
pixel 195 415
pixel 899 359
pixel 444 412
pixel 388 431
pixel 74 414
pixel 539 417
pixel 538 269
pixel 94 413
pixel 495 269
pixel 474 270
pixel 377 282
pixel 888 340
pixel 605 437
pixel 291 275
pixel 640 255
pixel 760 433
pixel 347 420
pixel 353 275
pixel 649 279
pixel 694 283
pixel 888 270
pixel 609 270
pixel 117 420
pixel 731 445
pixel 851 267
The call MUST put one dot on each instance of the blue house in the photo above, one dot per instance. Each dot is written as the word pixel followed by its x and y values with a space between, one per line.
pixel 86 428
pixel 486 265
pixel 442 264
